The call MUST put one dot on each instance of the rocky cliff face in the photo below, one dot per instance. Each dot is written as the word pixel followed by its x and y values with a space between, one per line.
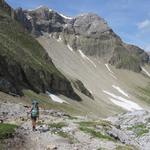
pixel 40 20
pixel 80 87
pixel 24 64
pixel 87 32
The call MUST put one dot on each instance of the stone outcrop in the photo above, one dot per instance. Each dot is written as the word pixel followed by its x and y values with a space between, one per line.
pixel 132 128
pixel 80 87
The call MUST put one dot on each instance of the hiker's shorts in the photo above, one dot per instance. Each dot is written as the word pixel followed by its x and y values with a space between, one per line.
pixel 33 118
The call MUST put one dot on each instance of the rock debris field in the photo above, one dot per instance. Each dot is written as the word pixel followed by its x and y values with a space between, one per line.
pixel 58 130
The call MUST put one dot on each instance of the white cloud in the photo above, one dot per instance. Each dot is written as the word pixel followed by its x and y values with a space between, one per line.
pixel 147 47
pixel 144 25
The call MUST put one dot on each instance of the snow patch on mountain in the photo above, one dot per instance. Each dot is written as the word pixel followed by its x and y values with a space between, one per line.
pixel 111 73
pixel 113 76
pixel 36 8
pixel 77 36
pixel 90 91
pixel 107 66
pixel 85 57
pixel 120 90
pixel 66 17
pixel 122 102
pixel 29 17
pixel 41 6
pixel 144 70
pixel 69 47
pixel 50 35
pixel 66 25
pixel 56 98
pixel 82 54
pixel 59 39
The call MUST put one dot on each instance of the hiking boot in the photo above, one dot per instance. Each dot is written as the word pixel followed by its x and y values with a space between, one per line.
pixel 34 129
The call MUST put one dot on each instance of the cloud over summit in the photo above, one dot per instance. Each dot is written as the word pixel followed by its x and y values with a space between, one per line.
pixel 144 25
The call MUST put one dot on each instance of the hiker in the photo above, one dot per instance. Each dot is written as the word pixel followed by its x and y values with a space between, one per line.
pixel 34 114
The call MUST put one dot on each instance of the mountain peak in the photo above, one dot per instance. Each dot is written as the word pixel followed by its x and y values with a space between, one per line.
pixel 89 14
pixel 89 24
pixel 41 7
pixel 99 39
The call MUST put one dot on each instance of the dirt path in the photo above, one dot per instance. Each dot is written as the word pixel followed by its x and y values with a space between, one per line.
pixel 44 140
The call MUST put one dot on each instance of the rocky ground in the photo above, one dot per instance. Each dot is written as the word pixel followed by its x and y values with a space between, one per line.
pixel 58 130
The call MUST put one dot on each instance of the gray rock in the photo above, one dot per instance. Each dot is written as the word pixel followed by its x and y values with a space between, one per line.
pixel 131 124
pixel 12 110
pixel 87 32
pixel 51 147
pixel 88 24
pixel 122 136
pixel 42 128
pixel 80 86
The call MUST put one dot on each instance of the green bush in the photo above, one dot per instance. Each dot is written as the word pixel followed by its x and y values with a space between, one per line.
pixel 7 130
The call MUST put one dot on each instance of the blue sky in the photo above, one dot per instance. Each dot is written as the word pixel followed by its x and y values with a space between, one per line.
pixel 130 19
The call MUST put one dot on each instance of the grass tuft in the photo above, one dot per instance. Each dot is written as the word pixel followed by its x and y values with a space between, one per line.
pixel 90 127
pixel 96 133
pixel 140 129
pixel 94 123
pixel 57 125
pixel 125 147
pixel 7 130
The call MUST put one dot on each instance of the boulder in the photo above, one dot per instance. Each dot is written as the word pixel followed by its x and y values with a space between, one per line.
pixel 51 147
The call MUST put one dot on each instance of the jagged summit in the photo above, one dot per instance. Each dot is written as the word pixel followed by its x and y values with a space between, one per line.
pixel 89 24
pixel 41 7
pixel 87 32
pixel 90 15
pixel 86 24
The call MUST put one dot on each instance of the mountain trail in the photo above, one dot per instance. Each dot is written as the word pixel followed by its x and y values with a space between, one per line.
pixel 58 130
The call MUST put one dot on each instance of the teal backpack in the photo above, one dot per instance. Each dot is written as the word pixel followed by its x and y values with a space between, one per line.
pixel 35 111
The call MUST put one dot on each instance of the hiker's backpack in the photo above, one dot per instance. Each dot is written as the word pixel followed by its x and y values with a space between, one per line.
pixel 34 111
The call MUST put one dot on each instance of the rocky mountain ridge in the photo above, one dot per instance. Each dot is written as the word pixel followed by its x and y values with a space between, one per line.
pixel 88 33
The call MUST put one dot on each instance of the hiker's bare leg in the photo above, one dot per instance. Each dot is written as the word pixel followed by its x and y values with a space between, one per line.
pixel 33 124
